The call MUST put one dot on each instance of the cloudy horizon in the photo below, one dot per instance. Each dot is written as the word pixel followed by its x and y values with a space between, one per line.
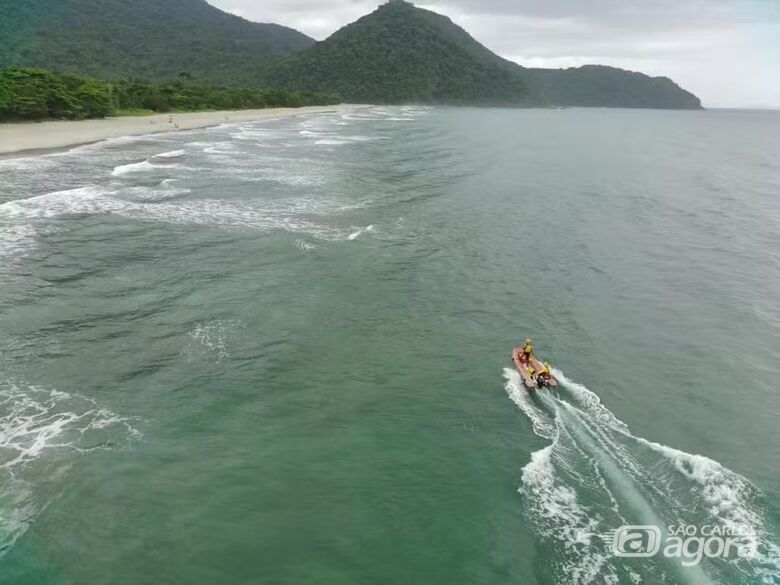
pixel 727 52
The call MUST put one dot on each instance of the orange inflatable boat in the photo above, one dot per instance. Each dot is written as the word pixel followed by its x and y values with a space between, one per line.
pixel 529 371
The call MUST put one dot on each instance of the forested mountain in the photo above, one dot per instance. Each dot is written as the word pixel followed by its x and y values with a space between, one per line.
pixel 141 38
pixel 398 53
pixel 607 87
pixel 401 53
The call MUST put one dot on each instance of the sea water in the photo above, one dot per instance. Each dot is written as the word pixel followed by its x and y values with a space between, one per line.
pixel 278 352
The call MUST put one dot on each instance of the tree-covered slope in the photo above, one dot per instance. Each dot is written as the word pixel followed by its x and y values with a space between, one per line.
pixel 400 53
pixel 141 38
pixel 599 86
pixel 37 94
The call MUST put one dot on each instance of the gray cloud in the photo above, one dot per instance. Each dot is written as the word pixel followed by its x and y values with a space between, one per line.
pixel 725 51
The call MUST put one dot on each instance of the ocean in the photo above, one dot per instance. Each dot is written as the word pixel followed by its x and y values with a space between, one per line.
pixel 279 352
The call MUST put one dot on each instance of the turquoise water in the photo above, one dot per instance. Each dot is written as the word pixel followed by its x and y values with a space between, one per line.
pixel 278 352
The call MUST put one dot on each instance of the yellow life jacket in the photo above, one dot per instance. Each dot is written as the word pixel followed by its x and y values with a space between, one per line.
pixel 528 348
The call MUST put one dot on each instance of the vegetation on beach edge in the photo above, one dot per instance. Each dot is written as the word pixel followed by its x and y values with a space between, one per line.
pixel 38 94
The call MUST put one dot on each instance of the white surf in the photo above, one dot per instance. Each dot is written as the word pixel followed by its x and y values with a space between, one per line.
pixel 596 476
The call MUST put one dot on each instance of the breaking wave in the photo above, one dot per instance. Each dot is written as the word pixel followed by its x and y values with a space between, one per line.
pixel 356 234
pixel 41 430
pixel 293 214
pixel 170 154
pixel 138 167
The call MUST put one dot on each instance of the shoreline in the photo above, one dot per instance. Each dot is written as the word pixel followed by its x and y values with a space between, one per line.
pixel 21 139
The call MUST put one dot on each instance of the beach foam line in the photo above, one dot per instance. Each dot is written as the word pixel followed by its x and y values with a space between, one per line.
pixel 83 200
pixel 16 139
pixel 294 214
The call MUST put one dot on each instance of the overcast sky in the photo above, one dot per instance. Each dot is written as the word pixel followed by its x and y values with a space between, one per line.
pixel 725 51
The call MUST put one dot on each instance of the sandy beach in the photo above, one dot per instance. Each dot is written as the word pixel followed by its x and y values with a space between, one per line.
pixel 30 137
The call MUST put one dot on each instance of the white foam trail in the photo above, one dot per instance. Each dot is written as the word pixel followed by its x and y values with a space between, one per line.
pixel 726 493
pixel 29 163
pixel 144 166
pixel 622 476
pixel 171 154
pixel 296 214
pixel 544 425
pixel 169 185
pixel 590 402
pixel 360 232
pixel 43 425
pixel 211 339
pixel 305 246
pixel 219 147
pixel 559 515
pixel 297 178
pixel 164 191
pixel 361 138
pixel 215 150
pixel 84 200
pixel 333 139
pixel 33 420
pixel 257 133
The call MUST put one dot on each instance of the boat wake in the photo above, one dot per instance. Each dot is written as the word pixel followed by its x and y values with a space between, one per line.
pixel 595 477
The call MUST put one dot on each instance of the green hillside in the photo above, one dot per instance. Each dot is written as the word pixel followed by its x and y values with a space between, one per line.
pixel 397 54
pixel 599 86
pixel 400 53
pixel 141 38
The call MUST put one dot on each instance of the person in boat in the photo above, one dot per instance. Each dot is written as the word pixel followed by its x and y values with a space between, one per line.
pixel 527 351
pixel 531 372
pixel 544 372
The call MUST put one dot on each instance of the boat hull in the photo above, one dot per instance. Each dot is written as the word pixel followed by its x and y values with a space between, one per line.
pixel 529 381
